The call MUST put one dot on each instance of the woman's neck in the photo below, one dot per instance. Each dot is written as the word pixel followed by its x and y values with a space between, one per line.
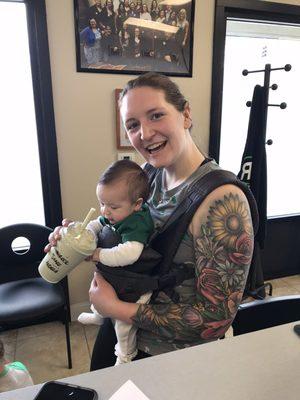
pixel 184 166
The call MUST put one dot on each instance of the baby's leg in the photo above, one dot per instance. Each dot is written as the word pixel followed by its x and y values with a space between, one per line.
pixel 93 318
pixel 125 349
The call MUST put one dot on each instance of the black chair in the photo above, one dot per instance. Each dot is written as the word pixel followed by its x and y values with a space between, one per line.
pixel 26 298
pixel 262 314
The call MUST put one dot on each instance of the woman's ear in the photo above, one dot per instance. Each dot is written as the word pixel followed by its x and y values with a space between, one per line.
pixel 138 204
pixel 187 116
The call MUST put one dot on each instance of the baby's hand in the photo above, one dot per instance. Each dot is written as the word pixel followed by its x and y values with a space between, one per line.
pixel 96 255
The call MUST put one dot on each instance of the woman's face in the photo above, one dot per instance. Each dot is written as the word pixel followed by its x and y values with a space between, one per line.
pixel 162 14
pixel 93 23
pixel 132 6
pixel 144 8
pixel 126 3
pixel 155 127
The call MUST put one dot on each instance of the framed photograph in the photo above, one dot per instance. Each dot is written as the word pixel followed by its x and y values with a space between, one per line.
pixel 134 37
pixel 123 142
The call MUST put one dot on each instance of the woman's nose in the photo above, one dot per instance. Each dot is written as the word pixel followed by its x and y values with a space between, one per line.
pixel 146 132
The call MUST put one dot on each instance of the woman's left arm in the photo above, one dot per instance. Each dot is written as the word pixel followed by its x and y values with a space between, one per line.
pixel 223 244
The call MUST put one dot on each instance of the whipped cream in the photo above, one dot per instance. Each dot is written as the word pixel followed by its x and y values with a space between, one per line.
pixel 84 242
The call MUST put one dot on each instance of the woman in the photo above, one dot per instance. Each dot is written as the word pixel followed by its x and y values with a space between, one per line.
pixel 173 19
pixel 154 10
pixel 161 17
pixel 132 12
pixel 136 43
pixel 124 38
pixel 120 17
pixel 108 19
pixel 91 39
pixel 145 13
pixel 183 26
pixel 158 120
pixel 139 7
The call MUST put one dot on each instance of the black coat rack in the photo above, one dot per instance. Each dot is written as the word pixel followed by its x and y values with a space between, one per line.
pixel 267 71
pixel 254 169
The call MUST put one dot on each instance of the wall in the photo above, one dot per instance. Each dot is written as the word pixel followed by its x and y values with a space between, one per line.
pixel 85 116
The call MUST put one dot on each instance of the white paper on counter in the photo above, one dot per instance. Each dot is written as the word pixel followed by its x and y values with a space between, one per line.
pixel 128 391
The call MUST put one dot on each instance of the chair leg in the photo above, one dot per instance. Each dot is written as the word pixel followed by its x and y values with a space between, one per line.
pixel 68 341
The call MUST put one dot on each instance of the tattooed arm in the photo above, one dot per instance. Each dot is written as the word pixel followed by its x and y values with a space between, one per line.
pixel 223 244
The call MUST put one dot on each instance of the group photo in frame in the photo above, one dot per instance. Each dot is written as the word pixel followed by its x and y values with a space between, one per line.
pixel 134 37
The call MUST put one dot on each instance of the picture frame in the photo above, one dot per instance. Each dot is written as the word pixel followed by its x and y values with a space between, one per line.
pixel 149 36
pixel 122 140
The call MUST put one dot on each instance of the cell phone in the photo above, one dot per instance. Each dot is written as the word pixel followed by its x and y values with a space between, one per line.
pixel 53 390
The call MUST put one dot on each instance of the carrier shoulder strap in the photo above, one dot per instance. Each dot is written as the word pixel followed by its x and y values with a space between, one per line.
pixel 168 238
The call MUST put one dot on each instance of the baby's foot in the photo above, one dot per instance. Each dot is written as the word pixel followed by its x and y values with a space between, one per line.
pixel 90 319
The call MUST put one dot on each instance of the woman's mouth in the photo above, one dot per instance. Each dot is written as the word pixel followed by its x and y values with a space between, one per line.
pixel 153 148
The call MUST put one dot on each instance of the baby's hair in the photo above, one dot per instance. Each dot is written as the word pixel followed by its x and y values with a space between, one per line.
pixel 135 177
pixel 1 350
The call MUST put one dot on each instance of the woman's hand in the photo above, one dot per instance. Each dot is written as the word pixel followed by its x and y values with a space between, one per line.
pixel 103 296
pixel 107 303
pixel 55 235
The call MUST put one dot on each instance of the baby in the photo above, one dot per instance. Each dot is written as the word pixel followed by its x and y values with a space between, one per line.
pixel 13 375
pixel 122 192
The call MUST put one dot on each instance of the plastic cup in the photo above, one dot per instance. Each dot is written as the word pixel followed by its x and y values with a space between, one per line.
pixel 65 256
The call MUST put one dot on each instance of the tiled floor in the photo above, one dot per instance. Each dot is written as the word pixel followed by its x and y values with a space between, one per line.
pixel 42 348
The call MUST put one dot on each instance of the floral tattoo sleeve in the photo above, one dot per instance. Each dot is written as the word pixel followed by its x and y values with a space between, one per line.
pixel 223 251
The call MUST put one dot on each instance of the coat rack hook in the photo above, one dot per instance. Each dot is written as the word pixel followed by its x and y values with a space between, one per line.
pixel 281 105
pixel 249 103
pixel 274 86
pixel 287 67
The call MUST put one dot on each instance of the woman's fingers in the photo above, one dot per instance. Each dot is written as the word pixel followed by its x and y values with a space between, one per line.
pixel 55 235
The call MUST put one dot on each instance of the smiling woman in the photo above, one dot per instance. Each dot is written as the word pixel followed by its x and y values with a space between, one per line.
pixel 216 248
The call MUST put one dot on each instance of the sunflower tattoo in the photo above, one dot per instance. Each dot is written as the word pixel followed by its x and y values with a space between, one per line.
pixel 228 219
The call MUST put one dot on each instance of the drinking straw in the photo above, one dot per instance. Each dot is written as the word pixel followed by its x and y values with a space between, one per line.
pixel 87 220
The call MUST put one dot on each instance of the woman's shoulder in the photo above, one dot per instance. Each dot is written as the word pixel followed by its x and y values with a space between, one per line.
pixel 225 205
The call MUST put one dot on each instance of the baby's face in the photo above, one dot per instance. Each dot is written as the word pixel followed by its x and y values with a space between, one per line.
pixel 115 204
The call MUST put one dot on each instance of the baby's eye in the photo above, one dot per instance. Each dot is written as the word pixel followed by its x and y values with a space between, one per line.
pixel 114 207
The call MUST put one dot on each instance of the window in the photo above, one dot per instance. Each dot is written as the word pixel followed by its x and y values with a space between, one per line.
pixel 250 45
pixel 28 152
pixel 21 197
pixel 248 35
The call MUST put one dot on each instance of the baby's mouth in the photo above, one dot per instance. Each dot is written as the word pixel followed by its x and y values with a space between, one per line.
pixel 153 148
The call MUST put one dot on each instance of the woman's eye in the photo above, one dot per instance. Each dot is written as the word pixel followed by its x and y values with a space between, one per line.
pixel 157 116
pixel 132 126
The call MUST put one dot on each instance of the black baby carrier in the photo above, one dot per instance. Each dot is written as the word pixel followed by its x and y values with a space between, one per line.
pixel 154 271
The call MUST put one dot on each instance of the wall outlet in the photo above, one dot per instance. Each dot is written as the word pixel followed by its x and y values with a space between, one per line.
pixel 126 156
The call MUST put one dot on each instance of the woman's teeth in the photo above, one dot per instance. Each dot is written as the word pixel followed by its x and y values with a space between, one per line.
pixel 156 147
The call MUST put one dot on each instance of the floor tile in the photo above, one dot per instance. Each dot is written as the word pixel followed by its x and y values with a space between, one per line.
pixel 49 328
pixel 292 280
pixel 278 283
pixel 91 332
pixel 285 291
pixel 9 339
pixel 46 355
